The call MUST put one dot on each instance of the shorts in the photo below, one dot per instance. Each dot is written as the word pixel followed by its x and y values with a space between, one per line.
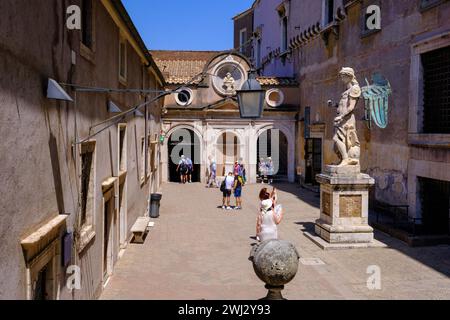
pixel 238 192
pixel 183 171
pixel 227 193
pixel 189 171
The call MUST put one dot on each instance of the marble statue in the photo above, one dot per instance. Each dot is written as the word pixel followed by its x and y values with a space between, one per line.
pixel 346 142
pixel 228 83
pixel 344 189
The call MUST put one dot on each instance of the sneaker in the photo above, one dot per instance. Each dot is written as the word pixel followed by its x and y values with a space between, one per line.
pixel 223 207
pixel 228 208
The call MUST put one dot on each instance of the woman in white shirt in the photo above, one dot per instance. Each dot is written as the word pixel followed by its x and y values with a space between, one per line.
pixel 268 219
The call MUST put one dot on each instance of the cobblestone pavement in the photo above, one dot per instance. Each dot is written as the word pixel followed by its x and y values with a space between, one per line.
pixel 197 251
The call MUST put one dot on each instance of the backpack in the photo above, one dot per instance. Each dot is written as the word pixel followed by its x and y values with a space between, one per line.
pixel 242 173
pixel 183 165
pixel 222 186
pixel 189 164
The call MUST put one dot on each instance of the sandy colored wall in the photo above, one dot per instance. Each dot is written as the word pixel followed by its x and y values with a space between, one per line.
pixel 37 163
pixel 385 152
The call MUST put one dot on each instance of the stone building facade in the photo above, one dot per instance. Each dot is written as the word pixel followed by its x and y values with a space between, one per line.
pixel 202 121
pixel 67 205
pixel 410 158
pixel 243 32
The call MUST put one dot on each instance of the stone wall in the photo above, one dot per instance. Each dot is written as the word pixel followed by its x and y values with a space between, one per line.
pixel 385 152
pixel 38 161
pixel 267 21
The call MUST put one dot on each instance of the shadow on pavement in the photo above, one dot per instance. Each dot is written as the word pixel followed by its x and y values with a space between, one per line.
pixel 435 257
pixel 307 196
pixel 307 226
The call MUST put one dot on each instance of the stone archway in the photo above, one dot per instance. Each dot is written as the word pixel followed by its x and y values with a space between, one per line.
pixel 287 133
pixel 182 140
pixel 273 144
pixel 227 150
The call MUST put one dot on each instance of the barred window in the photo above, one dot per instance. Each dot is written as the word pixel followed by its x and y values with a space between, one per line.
pixel 426 4
pixel 436 91
pixel 328 12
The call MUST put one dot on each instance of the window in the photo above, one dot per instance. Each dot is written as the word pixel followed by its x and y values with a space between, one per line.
pixel 258 54
pixel 427 4
pixel 274 98
pixel 143 160
pixel 122 59
pixel 328 16
pixel 242 40
pixel 436 91
pixel 284 34
pixel 122 148
pixel 153 155
pixel 44 283
pixel 87 183
pixel 184 97
pixel 87 23
pixel 435 205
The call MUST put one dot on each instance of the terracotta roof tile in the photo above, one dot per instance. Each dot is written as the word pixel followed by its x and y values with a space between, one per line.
pixel 277 81
pixel 179 67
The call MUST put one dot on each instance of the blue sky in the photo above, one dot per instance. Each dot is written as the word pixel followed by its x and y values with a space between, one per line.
pixel 186 24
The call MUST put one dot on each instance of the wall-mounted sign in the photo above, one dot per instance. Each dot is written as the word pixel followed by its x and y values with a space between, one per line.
pixel 67 241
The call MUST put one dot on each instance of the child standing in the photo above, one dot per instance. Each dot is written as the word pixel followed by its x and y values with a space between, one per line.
pixel 238 184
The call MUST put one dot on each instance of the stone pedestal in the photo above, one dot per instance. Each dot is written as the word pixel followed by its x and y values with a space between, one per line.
pixel 344 206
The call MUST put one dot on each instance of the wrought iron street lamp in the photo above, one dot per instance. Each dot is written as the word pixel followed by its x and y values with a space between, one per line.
pixel 251 97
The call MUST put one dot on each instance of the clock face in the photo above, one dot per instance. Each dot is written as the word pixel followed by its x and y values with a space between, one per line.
pixel 228 77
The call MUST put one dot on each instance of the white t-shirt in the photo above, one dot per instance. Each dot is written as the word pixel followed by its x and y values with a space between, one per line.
pixel 229 181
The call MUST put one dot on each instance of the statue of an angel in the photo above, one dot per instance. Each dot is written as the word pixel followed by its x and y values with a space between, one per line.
pixel 345 139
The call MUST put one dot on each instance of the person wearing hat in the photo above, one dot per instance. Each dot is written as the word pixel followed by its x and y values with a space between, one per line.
pixel 267 221
pixel 345 137
pixel 228 184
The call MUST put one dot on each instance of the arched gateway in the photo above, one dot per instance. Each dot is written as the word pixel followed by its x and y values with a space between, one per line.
pixel 273 144
pixel 183 142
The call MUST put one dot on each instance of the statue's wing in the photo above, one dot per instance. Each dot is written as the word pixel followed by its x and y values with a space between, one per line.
pixel 377 99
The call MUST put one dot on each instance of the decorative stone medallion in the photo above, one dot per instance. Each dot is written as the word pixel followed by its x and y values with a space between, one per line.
pixel 228 76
